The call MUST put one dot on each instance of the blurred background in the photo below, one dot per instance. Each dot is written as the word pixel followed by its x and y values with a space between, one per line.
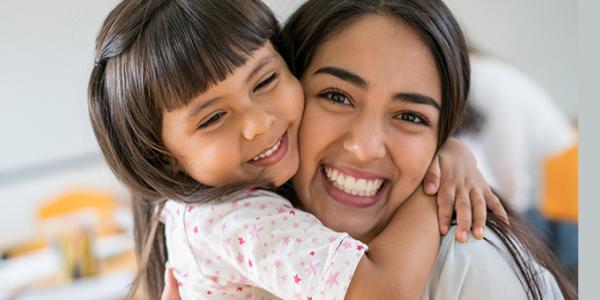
pixel 64 220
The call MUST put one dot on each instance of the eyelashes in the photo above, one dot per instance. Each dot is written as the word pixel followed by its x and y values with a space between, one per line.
pixel 413 118
pixel 212 120
pixel 266 82
pixel 339 97
pixel 335 96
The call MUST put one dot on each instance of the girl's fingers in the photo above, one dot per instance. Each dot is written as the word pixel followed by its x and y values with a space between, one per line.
pixel 479 213
pixel 494 204
pixel 171 292
pixel 432 177
pixel 463 216
pixel 445 201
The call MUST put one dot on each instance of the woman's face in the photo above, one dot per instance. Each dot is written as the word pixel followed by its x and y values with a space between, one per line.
pixel 370 124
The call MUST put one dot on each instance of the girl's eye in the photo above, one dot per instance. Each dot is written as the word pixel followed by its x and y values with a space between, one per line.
pixel 413 118
pixel 266 82
pixel 336 97
pixel 213 119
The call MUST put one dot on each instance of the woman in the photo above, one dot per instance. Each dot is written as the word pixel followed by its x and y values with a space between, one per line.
pixel 385 84
pixel 364 63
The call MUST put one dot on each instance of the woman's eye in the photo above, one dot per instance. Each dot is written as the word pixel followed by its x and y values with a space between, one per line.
pixel 413 118
pixel 266 82
pixel 213 119
pixel 336 97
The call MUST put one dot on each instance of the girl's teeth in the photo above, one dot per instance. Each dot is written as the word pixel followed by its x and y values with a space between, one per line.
pixel 353 186
pixel 268 152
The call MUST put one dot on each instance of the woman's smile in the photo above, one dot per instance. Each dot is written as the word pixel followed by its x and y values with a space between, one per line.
pixel 352 187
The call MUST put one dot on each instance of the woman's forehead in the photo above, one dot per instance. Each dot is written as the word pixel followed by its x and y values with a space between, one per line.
pixel 382 51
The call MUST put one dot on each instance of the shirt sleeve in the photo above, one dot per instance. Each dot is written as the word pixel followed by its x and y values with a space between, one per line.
pixel 480 269
pixel 276 247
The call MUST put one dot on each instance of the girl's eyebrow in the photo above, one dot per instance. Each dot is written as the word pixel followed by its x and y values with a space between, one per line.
pixel 201 106
pixel 263 62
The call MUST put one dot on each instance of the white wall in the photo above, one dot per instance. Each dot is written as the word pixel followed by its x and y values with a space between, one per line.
pixel 46 53
pixel 538 36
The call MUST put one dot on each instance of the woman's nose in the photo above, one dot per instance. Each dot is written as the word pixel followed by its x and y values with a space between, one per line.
pixel 365 143
pixel 257 122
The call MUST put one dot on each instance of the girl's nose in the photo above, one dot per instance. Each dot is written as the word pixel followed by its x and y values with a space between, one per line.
pixel 365 143
pixel 257 122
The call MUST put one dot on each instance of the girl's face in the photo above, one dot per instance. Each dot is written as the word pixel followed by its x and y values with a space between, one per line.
pixel 243 128
pixel 370 124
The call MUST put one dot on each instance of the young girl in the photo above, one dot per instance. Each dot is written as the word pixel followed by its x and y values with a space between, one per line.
pixel 194 110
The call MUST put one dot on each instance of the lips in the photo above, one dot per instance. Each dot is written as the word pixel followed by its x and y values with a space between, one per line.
pixel 273 154
pixel 353 187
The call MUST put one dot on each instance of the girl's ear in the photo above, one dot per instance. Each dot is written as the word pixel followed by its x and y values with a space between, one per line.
pixel 173 164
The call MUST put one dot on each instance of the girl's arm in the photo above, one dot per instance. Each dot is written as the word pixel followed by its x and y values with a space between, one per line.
pixel 400 259
pixel 460 187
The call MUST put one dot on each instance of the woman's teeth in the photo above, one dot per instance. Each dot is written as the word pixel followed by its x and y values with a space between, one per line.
pixel 351 185
pixel 268 152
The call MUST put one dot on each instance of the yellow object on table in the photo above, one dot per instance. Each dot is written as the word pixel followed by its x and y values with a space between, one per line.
pixel 561 191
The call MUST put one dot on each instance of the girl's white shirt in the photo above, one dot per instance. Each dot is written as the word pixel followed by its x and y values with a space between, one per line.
pixel 256 245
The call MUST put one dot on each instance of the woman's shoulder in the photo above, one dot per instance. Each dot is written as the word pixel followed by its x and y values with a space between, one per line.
pixel 480 269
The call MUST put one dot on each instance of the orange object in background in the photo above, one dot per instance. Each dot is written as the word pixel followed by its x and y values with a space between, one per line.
pixel 102 203
pixel 560 199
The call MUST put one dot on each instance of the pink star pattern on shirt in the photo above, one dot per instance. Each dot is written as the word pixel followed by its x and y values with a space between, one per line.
pixel 280 210
pixel 255 233
pixel 241 240
pixel 312 268
pixel 240 258
pixel 360 247
pixel 332 279
pixel 196 229
pixel 278 263
pixel 346 244
pixel 297 279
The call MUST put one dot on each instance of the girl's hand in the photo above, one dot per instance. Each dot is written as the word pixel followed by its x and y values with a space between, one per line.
pixel 171 291
pixel 454 176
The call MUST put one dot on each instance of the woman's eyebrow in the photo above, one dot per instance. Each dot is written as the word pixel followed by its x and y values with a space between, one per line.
pixel 343 74
pixel 417 99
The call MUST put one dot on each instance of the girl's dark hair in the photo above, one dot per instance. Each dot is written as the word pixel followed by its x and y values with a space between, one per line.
pixel 154 56
pixel 319 20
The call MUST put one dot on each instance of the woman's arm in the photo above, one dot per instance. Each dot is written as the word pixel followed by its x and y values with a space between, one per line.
pixel 400 259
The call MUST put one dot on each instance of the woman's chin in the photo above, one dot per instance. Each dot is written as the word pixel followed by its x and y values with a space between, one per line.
pixel 355 228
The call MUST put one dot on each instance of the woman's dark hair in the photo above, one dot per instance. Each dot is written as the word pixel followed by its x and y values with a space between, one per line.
pixel 154 56
pixel 317 21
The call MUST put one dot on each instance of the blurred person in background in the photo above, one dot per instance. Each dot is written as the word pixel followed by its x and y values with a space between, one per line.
pixel 515 130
